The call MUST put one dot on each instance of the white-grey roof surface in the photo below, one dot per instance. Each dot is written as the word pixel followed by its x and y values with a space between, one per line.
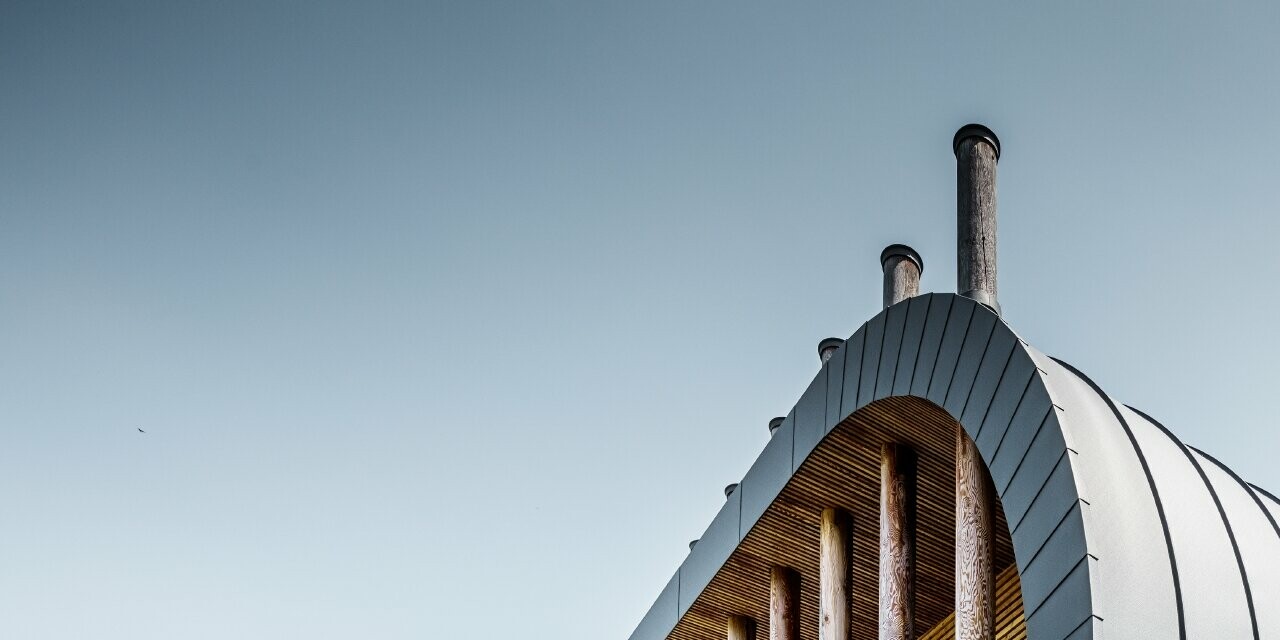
pixel 1117 526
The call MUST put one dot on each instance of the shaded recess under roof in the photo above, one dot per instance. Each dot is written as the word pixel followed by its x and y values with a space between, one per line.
pixel 1114 522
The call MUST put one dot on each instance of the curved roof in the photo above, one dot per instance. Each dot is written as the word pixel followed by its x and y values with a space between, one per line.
pixel 1114 521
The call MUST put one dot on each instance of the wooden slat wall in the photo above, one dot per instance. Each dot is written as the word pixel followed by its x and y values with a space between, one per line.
pixel 844 471
pixel 1011 624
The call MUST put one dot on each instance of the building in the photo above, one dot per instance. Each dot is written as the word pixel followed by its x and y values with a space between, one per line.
pixel 940 478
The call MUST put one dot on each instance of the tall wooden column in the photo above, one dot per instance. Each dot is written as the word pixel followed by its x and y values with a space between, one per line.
pixel 784 604
pixel 834 576
pixel 740 628
pixel 897 543
pixel 975 574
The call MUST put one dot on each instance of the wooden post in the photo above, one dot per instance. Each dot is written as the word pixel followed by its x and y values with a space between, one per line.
pixel 975 571
pixel 902 268
pixel 784 604
pixel 977 151
pixel 834 576
pixel 740 628
pixel 897 543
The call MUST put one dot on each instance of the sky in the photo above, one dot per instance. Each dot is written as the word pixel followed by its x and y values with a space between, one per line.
pixel 444 319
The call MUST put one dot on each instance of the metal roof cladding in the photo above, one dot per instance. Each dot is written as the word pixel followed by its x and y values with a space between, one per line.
pixel 1115 523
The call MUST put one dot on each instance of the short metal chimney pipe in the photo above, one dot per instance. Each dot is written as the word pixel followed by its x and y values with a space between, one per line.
pixel 775 424
pixel 977 151
pixel 827 348
pixel 902 268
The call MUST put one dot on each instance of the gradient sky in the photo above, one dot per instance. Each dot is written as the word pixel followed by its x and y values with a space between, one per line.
pixel 453 319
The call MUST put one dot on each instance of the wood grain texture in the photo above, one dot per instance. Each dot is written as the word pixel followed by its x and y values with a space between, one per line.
pixel 897 543
pixel 1011 621
pixel 901 280
pixel 975 564
pixel 976 217
pixel 834 575
pixel 784 604
pixel 740 628
pixel 844 472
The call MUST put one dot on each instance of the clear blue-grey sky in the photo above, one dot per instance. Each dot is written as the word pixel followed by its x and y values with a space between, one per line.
pixel 448 319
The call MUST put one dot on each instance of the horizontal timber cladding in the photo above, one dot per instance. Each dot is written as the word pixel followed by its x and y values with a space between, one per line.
pixel 1083 483
pixel 907 376
pixel 1011 622
pixel 844 472
pixel 1107 519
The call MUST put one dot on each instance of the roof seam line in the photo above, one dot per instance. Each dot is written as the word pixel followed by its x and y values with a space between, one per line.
pixel 1222 513
pixel 1248 488
pixel 985 348
pixel 959 352
pixel 1040 490
pixel 1155 492
pixel 1016 469
pixel 982 424
pixel 1018 407
pixel 928 304
pixel 942 333
pixel 1055 588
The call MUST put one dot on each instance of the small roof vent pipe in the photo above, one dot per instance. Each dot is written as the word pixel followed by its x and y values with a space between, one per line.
pixel 827 348
pixel 775 424
pixel 902 268
pixel 977 151
pixel 728 491
pixel 692 544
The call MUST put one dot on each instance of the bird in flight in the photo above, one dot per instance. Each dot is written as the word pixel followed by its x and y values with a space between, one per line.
pixel 140 430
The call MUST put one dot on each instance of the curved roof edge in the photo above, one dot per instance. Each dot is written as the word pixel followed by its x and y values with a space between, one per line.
pixel 1107 511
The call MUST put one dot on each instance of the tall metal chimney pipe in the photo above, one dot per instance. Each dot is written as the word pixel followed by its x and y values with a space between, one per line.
pixel 902 268
pixel 977 151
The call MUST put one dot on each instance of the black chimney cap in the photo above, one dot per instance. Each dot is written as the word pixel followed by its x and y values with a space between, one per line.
pixel 904 251
pixel 975 131
pixel 775 424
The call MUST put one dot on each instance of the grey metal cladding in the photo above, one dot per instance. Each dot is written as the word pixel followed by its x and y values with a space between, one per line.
pixel 971 357
pixel 870 360
pixel 1037 462
pixel 1023 427
pixel 1047 434
pixel 1066 608
pixel 917 312
pixel 1027 485
pixel 930 340
pixel 1014 384
pixel 995 364
pixel 767 476
pixel 852 369
pixel 663 615
pixel 712 551
pixel 1086 629
pixel 1055 498
pixel 953 337
pixel 1045 565
pixel 895 319
pixel 810 415
pixel 835 389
